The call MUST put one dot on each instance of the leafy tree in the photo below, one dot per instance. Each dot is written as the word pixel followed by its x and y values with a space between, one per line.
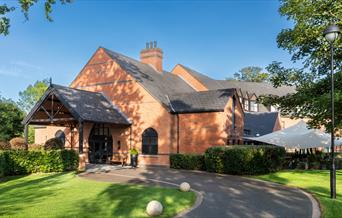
pixel 29 97
pixel 304 41
pixel 30 135
pixel 10 119
pixel 250 74
pixel 25 6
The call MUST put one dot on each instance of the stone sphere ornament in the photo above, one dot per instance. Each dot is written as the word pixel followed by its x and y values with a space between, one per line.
pixel 184 187
pixel 154 208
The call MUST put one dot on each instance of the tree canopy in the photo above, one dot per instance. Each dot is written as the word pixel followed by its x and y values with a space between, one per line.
pixel 25 6
pixel 10 119
pixel 305 42
pixel 29 97
pixel 250 74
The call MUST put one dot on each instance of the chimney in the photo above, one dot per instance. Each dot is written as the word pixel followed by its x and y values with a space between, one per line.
pixel 152 55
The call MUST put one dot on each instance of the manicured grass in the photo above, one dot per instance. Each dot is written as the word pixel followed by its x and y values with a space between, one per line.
pixel 316 182
pixel 66 195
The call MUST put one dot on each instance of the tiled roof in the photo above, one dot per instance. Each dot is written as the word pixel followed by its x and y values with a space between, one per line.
pixel 260 123
pixel 257 88
pixel 207 81
pixel 159 85
pixel 204 101
pixel 84 105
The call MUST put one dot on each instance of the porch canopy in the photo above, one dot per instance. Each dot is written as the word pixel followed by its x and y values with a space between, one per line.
pixel 298 136
pixel 69 107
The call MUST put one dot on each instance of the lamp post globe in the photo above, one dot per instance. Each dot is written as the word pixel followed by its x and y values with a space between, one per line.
pixel 331 33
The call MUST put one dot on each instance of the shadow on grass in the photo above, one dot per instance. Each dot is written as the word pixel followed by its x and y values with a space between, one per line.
pixel 275 178
pixel 21 191
pixel 119 200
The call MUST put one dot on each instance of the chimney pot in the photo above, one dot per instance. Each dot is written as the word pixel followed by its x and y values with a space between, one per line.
pixel 152 55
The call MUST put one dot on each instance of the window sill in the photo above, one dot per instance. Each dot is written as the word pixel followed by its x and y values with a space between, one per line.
pixel 149 155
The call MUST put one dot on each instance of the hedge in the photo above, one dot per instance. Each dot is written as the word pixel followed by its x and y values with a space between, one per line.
pixel 244 159
pixel 17 162
pixel 17 143
pixel 187 161
pixel 53 144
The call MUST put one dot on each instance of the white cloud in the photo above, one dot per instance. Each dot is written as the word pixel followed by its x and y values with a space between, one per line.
pixel 20 69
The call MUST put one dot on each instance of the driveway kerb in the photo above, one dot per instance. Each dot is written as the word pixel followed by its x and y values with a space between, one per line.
pixel 202 201
pixel 199 195
pixel 316 209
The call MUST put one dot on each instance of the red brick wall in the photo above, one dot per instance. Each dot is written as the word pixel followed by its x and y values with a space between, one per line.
pixel 192 81
pixel 154 57
pixel 198 131
pixel 132 99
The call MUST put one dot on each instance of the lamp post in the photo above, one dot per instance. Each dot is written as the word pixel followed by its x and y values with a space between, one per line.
pixel 331 34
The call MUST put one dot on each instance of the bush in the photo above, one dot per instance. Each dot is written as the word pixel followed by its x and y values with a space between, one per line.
pixel 187 161
pixel 17 162
pixel 17 143
pixel 36 147
pixel 2 164
pixel 244 159
pixel 5 145
pixel 53 144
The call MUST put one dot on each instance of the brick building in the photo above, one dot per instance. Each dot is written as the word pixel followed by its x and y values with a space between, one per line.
pixel 116 102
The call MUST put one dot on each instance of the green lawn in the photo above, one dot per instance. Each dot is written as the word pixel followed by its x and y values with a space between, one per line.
pixel 66 195
pixel 316 182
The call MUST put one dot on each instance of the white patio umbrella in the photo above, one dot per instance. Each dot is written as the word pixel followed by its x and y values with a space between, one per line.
pixel 298 136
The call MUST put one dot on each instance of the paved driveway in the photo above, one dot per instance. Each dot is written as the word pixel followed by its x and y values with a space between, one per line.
pixel 223 195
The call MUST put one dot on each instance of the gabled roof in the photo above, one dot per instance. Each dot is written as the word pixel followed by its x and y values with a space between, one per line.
pixel 159 85
pixel 204 79
pixel 203 101
pixel 257 88
pixel 260 123
pixel 83 105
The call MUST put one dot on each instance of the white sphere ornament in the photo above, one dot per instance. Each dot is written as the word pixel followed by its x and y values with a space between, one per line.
pixel 154 208
pixel 184 187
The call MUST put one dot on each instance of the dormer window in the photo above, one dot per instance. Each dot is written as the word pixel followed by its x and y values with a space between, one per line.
pixel 254 106
pixel 246 104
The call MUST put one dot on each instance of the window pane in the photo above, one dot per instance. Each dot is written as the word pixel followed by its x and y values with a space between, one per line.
pixel 246 105
pixel 254 106
pixel 150 141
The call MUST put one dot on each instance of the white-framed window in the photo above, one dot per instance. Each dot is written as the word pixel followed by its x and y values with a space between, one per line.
pixel 246 104
pixel 273 109
pixel 254 106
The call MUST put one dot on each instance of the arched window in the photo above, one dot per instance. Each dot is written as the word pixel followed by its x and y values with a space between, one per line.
pixel 61 136
pixel 150 141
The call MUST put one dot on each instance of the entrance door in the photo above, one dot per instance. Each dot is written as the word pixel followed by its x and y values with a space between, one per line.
pixel 100 144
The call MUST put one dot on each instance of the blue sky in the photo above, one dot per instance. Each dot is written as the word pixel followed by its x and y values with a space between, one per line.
pixel 214 37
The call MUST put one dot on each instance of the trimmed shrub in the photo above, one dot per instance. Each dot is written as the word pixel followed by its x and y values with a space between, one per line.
pixel 244 159
pixel 2 164
pixel 17 143
pixel 53 144
pixel 4 145
pixel 187 161
pixel 17 162
pixel 35 147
